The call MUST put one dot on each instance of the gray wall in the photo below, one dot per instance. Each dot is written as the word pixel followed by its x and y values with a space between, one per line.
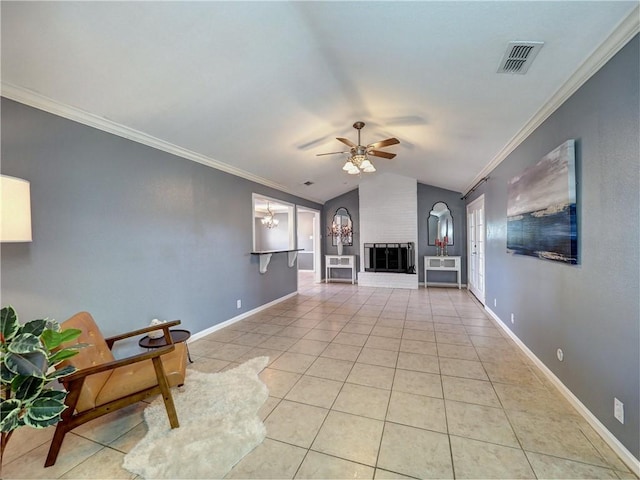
pixel 591 310
pixel 350 201
pixel 130 233
pixel 427 197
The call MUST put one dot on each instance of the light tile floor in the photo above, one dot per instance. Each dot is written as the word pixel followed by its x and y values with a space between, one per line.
pixel 369 383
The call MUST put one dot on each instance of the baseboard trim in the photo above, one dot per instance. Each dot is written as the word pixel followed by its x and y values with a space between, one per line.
pixel 463 286
pixel 625 455
pixel 242 316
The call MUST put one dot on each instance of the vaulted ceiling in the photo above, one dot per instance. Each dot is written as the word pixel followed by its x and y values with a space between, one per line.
pixel 259 88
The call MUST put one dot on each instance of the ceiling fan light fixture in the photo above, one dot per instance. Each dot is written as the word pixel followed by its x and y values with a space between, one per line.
pixel 357 159
pixel 366 163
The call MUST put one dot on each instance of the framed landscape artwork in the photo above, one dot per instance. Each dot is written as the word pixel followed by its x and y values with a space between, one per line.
pixel 541 208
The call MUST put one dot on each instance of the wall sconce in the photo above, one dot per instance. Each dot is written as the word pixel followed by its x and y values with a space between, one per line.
pixel 15 206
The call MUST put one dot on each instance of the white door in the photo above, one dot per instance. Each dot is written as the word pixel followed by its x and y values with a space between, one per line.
pixel 475 247
pixel 309 238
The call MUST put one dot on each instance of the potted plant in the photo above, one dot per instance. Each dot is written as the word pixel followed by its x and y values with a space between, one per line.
pixel 28 354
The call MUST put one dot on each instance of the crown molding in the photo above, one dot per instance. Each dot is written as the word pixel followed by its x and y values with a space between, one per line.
pixel 625 31
pixel 41 102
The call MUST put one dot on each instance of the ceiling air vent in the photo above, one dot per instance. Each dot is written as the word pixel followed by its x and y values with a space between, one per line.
pixel 518 57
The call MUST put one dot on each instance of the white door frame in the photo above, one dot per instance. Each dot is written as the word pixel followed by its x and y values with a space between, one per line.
pixel 317 257
pixel 476 243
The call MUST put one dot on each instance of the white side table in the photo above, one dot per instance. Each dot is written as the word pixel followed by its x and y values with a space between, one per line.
pixel 340 261
pixel 443 264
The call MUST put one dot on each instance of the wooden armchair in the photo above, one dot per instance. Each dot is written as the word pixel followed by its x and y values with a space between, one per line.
pixel 103 384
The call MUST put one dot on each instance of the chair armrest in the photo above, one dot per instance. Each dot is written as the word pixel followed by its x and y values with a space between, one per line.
pixel 164 326
pixel 117 363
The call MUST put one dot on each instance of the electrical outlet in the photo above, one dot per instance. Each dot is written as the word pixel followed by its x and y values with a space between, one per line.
pixel 513 318
pixel 238 303
pixel 495 302
pixel 618 410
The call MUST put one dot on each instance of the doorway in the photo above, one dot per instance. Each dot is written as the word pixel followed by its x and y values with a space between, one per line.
pixel 308 232
pixel 476 247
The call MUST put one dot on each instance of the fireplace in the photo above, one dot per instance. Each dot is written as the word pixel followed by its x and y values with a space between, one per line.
pixel 389 257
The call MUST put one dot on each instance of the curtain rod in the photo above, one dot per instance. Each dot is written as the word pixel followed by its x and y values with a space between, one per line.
pixel 480 182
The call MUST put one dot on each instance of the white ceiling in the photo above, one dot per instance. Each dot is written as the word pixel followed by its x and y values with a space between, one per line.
pixel 259 88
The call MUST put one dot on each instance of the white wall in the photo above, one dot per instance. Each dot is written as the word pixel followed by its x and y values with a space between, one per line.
pixel 388 214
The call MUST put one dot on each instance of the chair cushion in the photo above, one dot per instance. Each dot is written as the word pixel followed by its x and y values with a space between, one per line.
pixel 139 376
pixel 95 353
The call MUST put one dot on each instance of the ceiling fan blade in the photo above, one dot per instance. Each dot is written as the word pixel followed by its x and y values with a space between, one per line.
pixel 347 142
pixel 330 153
pixel 384 143
pixel 378 153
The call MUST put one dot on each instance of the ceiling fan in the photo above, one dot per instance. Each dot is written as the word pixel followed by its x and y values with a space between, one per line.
pixel 358 160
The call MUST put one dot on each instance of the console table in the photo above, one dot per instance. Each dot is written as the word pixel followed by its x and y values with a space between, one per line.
pixel 339 261
pixel 442 264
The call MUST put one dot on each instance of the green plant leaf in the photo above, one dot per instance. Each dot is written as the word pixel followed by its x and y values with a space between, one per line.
pixel 63 372
pixel 44 409
pixel 24 343
pixel 6 376
pixel 52 325
pixel 9 325
pixel 10 414
pixel 70 334
pixel 61 355
pixel 55 394
pixel 50 338
pixel 28 364
pixel 34 327
pixel 53 339
pixel 41 423
pixel 26 354
pixel 27 388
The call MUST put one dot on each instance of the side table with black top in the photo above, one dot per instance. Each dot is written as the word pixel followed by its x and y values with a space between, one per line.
pixel 176 335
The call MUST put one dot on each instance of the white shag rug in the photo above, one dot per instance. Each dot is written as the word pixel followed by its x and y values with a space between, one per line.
pixel 219 425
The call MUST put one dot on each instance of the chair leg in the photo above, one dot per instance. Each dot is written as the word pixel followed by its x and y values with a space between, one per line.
pixel 66 417
pixel 56 444
pixel 166 392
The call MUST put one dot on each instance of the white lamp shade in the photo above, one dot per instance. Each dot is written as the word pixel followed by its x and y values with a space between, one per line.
pixel 15 204
pixel 366 164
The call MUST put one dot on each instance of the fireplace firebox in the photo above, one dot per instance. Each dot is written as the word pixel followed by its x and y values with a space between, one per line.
pixel 389 257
